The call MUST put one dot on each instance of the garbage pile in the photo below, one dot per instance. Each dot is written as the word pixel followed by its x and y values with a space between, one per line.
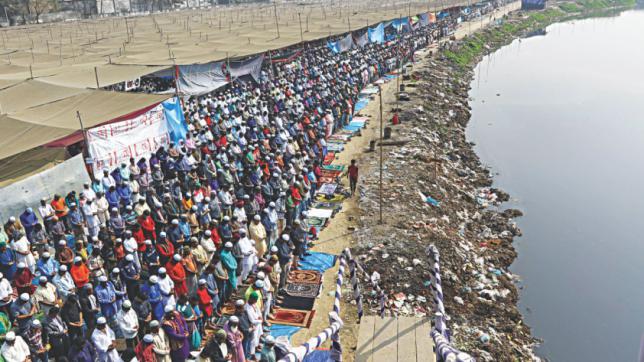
pixel 437 191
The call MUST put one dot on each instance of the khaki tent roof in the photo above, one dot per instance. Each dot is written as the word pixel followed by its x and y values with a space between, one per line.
pixel 42 124
pixel 33 93
pixel 22 136
pixel 68 52
pixel 95 107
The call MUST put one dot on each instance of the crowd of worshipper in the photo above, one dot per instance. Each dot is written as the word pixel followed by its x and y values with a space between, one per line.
pixel 147 254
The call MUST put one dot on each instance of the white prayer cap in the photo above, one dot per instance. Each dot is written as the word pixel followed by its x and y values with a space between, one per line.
pixel 101 321
pixel 226 218
pixel 46 255
pixel 62 243
pixel 259 284
pixel 102 278
pixel 148 242
pixel 78 259
pixel 162 270
pixel 42 279
pixel 234 319
pixel 148 338
pixel 63 268
pixel 35 323
pixel 257 218
pixel 22 265
pixel 10 336
pixel 202 281
pixel 296 221
pixel 24 297
pixel 228 245
pixel 162 234
pixel 168 309
pixel 154 279
pixel 270 340
pixel 12 219
pixel 208 233
pixel 129 257
pixel 239 302
pixel 154 323
pixel 175 222
pixel 116 271
pixel 286 237
pixel 127 304
pixel 242 231
pixel 176 257
pixel 114 209
pixel 274 249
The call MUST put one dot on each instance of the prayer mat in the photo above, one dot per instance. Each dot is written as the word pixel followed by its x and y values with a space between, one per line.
pixel 323 213
pixel 304 277
pixel 293 317
pixel 335 147
pixel 316 222
pixel 333 199
pixel 306 290
pixel 330 173
pixel 299 303
pixel 228 308
pixel 326 180
pixel 333 168
pixel 327 189
pixel 330 157
pixel 341 137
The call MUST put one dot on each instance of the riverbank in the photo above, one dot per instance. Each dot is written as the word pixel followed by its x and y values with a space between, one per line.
pixel 431 157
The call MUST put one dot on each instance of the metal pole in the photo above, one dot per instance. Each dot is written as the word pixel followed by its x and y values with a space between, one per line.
pixel 380 144
pixel 80 121
pixel 277 24
pixel 96 77
pixel 301 32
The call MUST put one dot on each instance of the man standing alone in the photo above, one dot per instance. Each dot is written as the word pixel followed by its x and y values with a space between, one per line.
pixel 353 176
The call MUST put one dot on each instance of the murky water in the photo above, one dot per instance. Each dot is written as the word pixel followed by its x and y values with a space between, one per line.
pixel 561 119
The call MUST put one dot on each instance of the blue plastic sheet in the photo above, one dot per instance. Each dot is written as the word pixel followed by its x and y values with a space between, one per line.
pixel 278 330
pixel 318 355
pixel 318 261
pixel 360 105
pixel 377 34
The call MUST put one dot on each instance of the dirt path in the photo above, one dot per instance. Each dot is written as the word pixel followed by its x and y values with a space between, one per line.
pixel 336 237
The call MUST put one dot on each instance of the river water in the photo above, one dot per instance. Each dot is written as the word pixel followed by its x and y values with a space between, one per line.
pixel 560 118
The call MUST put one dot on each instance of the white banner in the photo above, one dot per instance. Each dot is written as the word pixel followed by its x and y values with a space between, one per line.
pixel 114 143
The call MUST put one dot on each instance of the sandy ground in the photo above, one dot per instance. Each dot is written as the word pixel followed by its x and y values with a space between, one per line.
pixel 336 237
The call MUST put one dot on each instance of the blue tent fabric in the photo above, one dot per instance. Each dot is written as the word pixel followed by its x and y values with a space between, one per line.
pixel 424 19
pixel 341 45
pixel 175 119
pixel 278 330
pixel 377 34
pixel 318 261
pixel 318 356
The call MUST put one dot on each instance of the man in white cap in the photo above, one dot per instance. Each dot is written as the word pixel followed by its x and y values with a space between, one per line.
pixel 107 297
pixel 161 342
pixel 6 291
pixel 258 233
pixel 208 244
pixel 245 251
pixel 128 323
pixel 22 310
pixel 274 221
pixel 235 339
pixel 268 351
pixel 14 348
pixel 45 295
pixel 22 248
pixel 64 282
pixel 145 349
pixel 167 288
pixel 36 342
pixel 104 339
